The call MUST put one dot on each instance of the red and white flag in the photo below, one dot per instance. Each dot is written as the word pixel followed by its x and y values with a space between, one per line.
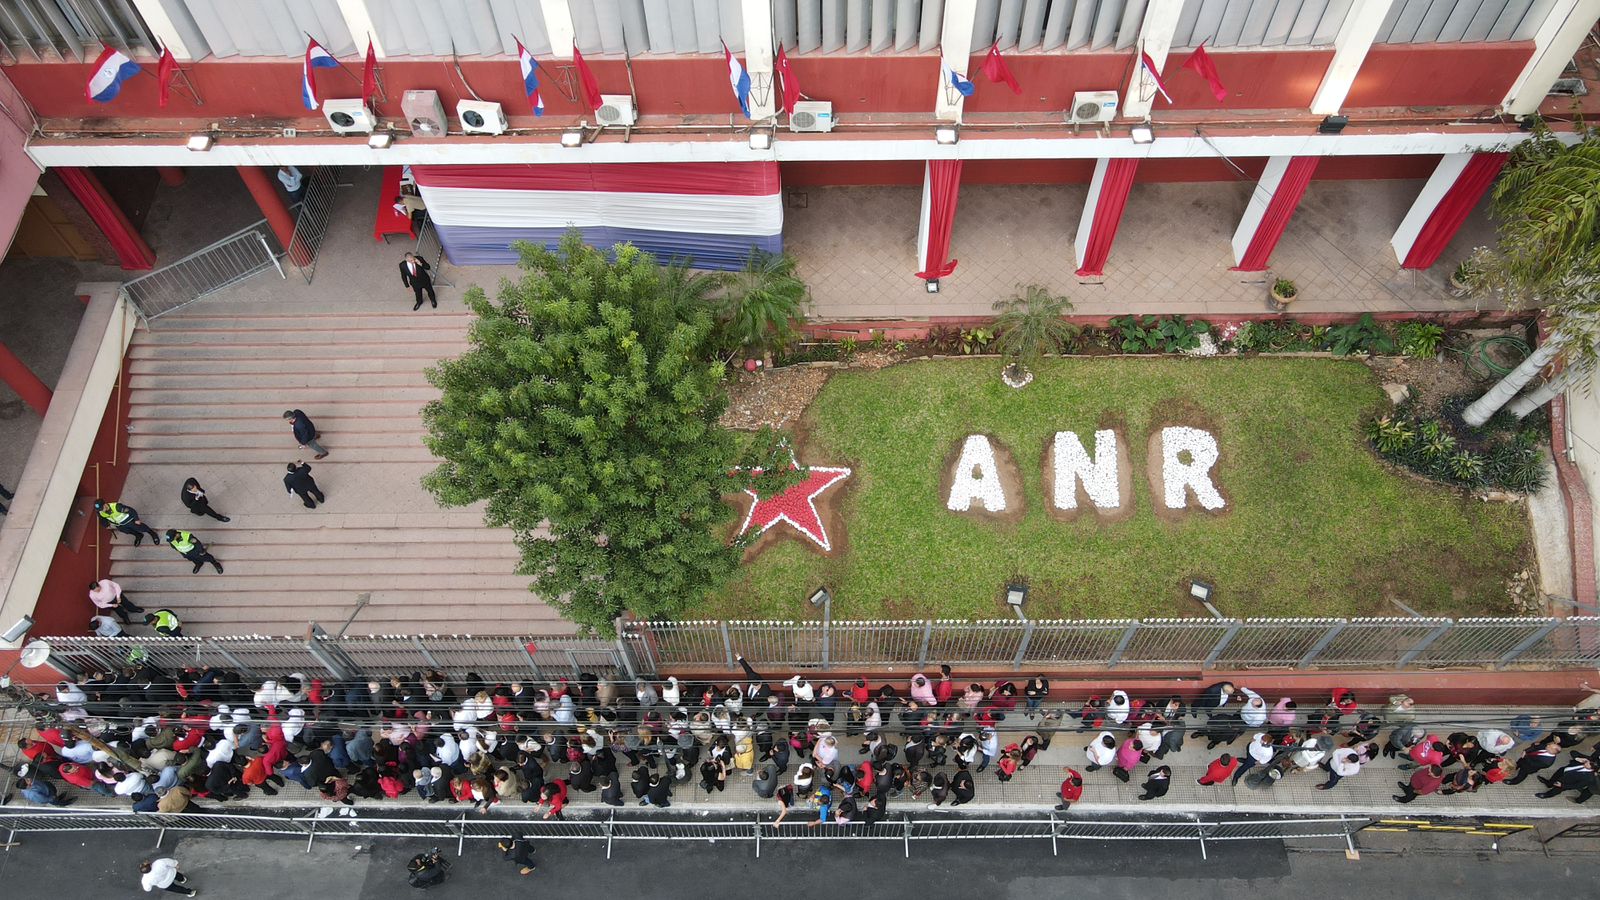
pixel 369 75
pixel 586 80
pixel 165 69
pixel 1200 63
pixel 791 84
pixel 1149 65
pixel 995 68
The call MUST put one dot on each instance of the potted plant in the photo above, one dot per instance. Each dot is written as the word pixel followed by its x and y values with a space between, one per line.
pixel 1029 327
pixel 1284 293
pixel 1461 277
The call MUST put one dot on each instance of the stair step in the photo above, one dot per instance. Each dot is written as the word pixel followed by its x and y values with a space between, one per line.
pixel 290 340
pixel 180 579
pixel 206 456
pixel 264 381
pixel 201 321
pixel 161 365
pixel 236 440
pixel 303 397
pixel 275 431
pixel 220 536
pixel 350 406
pixel 396 350
pixel 399 565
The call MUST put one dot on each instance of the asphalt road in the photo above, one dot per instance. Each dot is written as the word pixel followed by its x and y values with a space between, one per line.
pixel 105 865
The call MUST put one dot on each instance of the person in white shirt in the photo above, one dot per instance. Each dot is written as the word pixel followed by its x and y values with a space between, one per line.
pixel 1346 761
pixel 1102 751
pixel 107 595
pixel 129 784
pixel 104 626
pixel 1310 755
pixel 163 875
pixel 1260 752
pixel 1495 741
pixel 1118 706
pixel 448 750
pixel 803 690
pixel 827 751
pixel 1254 714
pixel 80 752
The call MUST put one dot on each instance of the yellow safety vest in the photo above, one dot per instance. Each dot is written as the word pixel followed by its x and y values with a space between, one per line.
pixel 114 514
pixel 166 619
pixel 184 542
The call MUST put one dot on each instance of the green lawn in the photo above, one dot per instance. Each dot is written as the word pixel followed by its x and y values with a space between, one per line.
pixel 1316 526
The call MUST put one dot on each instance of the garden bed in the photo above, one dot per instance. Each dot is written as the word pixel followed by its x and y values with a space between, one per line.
pixel 1317 524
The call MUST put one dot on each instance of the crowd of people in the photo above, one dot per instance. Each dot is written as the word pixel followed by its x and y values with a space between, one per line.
pixel 162 743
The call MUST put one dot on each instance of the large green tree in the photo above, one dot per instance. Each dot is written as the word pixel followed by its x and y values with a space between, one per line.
pixel 1547 209
pixel 585 413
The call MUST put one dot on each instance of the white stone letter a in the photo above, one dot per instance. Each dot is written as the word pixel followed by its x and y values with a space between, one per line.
pixel 1099 475
pixel 1179 477
pixel 977 477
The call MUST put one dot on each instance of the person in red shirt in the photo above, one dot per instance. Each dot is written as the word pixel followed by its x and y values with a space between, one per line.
pixel 1071 788
pixel 554 795
pixel 1010 762
pixel 38 752
pixel 944 688
pixel 1430 751
pixel 1424 781
pixel 1220 769
pixel 83 777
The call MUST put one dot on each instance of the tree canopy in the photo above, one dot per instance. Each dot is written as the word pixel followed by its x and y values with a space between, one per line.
pixel 585 413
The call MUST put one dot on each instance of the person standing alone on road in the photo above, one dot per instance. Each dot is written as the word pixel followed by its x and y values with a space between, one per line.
pixel 305 432
pixel 190 548
pixel 194 499
pixel 299 481
pixel 414 274
pixel 163 874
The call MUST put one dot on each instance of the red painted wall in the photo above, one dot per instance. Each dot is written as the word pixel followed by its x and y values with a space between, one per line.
pixel 1336 168
pixel 63 606
pixel 1080 171
pixel 862 172
pixel 1392 76
pixel 1437 74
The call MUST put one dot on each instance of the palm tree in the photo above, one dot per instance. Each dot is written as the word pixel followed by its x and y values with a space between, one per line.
pixel 1548 207
pixel 1031 326
pixel 763 303
pixel 690 293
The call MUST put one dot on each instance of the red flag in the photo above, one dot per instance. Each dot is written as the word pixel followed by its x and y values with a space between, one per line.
pixel 586 80
pixel 164 72
pixel 791 85
pixel 1200 62
pixel 369 75
pixel 994 66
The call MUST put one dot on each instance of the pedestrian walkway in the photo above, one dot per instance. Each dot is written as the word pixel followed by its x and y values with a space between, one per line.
pixel 208 391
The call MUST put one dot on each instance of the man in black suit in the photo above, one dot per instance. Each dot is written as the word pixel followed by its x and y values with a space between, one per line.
pixel 414 275
pixel 299 481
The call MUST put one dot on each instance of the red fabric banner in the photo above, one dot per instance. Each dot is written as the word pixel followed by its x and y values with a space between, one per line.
pixel 1200 63
pixel 995 68
pixel 369 75
pixel 164 72
pixel 791 84
pixel 1280 209
pixel 1114 188
pixel 1454 208
pixel 747 179
pixel 944 183
pixel 132 251
pixel 590 88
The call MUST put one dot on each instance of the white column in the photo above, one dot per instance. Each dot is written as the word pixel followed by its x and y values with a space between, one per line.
pixel 1558 38
pixel 758 56
pixel 558 27
pixel 171 24
pixel 922 223
pixel 1349 52
pixel 1439 183
pixel 1155 37
pixel 1260 199
pixel 955 51
pixel 1080 244
pixel 358 18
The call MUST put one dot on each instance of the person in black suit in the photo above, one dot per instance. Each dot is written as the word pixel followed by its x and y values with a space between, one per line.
pixel 414 275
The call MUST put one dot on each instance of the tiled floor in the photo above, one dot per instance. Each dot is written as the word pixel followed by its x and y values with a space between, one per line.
pixel 857 250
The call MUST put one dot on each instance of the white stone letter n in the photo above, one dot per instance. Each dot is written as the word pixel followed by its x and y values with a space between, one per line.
pixel 977 477
pixel 1179 477
pixel 1099 475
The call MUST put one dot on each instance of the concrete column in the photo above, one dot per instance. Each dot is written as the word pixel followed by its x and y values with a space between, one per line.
pixel 922 218
pixel 1155 37
pixel 131 250
pixel 558 26
pixel 263 187
pixel 758 53
pixel 170 22
pixel 1349 52
pixel 16 373
pixel 955 51
pixel 1438 184
pixel 358 18
pixel 172 176
pixel 1271 196
pixel 1558 38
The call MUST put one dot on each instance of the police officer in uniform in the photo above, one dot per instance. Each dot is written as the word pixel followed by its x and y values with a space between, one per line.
pixel 124 519
pixel 165 621
pixel 190 548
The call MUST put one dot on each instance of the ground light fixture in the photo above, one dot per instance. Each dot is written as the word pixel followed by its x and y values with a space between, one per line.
pixel 819 597
pixel 1016 595
pixel 932 285
pixel 1142 133
pixel 573 138
pixel 1203 592
pixel 199 142
pixel 947 134
pixel 380 141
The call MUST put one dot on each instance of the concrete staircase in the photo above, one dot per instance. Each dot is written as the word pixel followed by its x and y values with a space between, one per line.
pixel 207 394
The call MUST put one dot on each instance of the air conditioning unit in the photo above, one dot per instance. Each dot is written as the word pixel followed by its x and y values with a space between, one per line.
pixel 1092 108
pixel 481 117
pixel 616 109
pixel 424 113
pixel 812 116
pixel 348 116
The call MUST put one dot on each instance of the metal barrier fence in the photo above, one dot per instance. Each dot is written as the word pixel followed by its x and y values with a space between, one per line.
pixel 1111 643
pixel 311 225
pixel 218 265
pixel 753 829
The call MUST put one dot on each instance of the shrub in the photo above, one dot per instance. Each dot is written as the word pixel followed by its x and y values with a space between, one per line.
pixel 1420 340
pixel 1362 336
